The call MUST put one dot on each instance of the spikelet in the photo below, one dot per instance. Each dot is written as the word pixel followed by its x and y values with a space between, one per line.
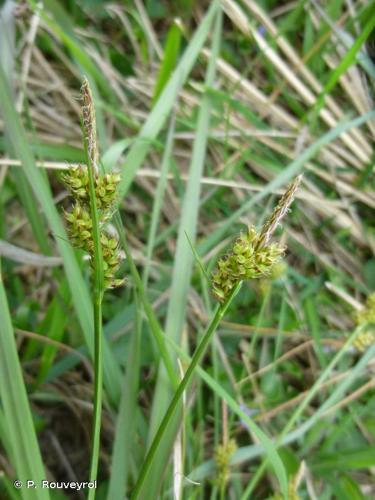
pixel 223 454
pixel 111 261
pixel 80 227
pixel 77 182
pixel 89 124
pixel 366 316
pixel 279 213
pixel 246 261
pixel 106 190
pixel 252 256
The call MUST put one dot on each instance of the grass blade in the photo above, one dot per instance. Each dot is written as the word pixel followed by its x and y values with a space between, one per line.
pixel 292 170
pixel 125 425
pixel 159 114
pixel 21 437
pixel 183 260
pixel 171 51
pixel 159 196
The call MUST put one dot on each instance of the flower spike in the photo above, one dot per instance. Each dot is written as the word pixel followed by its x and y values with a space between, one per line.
pixel 80 227
pixel 252 256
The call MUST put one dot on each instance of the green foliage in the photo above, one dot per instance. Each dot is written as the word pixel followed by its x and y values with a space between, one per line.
pixel 288 89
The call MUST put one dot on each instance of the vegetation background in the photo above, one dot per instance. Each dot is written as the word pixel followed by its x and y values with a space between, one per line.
pixel 208 109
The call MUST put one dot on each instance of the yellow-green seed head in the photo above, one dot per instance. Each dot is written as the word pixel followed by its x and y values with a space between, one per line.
pixel 111 261
pixel 366 316
pixel 77 181
pixel 364 340
pixel 245 261
pixel 106 190
pixel 223 454
pixel 79 222
pixel 252 256
pixel 80 227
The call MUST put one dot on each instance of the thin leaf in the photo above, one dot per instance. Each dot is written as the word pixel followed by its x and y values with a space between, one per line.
pixel 292 170
pixel 182 270
pixel 171 52
pixel 164 104
pixel 21 437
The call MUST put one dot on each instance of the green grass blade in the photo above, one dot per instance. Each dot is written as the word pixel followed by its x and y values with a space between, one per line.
pixel 312 319
pixel 197 259
pixel 31 210
pixel 188 226
pixel 292 170
pixel 345 63
pixel 159 197
pixel 61 25
pixel 267 445
pixel 183 386
pixel 57 320
pixel 183 261
pixel 164 104
pixel 251 452
pixel 153 322
pixel 303 405
pixel 16 410
pixel 171 52
pixel 361 458
pixel 125 424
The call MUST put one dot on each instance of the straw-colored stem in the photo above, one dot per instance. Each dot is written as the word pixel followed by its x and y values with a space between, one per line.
pixel 199 353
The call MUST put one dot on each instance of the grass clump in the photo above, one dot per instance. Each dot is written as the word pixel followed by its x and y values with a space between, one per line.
pixel 221 105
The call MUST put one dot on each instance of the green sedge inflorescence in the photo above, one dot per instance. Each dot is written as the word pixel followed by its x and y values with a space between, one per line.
pixel 79 222
pixel 252 256
pixel 366 317
pixel 223 455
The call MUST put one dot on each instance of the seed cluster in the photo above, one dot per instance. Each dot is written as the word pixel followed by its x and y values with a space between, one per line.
pixel 245 261
pixel 80 223
pixel 77 181
pixel 223 454
pixel 366 316
pixel 252 256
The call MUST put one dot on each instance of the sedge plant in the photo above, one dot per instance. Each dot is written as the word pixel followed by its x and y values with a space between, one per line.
pixel 252 257
pixel 94 197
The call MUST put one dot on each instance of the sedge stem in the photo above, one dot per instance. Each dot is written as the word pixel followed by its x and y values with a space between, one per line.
pixel 198 354
pixel 98 333
pixel 98 392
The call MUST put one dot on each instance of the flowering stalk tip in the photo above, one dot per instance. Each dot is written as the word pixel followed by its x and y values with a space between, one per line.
pixel 89 124
pixel 252 256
